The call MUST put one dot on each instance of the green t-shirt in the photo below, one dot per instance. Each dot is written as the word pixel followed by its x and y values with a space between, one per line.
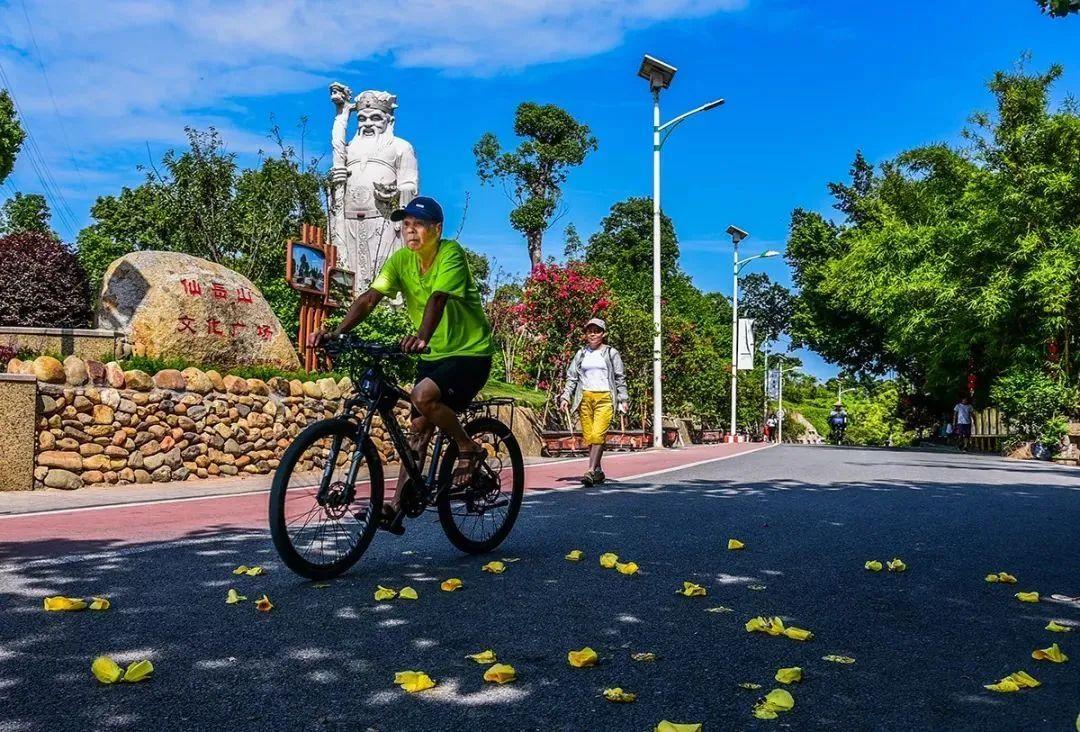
pixel 464 329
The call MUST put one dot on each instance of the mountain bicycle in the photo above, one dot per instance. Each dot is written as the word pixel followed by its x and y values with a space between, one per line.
pixel 323 518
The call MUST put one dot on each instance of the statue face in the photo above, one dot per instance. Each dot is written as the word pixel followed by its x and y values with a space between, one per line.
pixel 372 122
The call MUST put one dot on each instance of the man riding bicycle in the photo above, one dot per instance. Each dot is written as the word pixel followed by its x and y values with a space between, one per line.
pixel 453 335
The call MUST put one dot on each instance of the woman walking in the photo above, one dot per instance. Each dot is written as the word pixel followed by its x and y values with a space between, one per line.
pixel 595 385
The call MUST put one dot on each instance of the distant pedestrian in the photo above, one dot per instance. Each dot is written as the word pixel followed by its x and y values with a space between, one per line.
pixel 770 428
pixel 595 386
pixel 962 421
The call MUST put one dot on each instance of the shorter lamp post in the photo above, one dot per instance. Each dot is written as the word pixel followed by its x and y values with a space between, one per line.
pixel 840 392
pixel 780 423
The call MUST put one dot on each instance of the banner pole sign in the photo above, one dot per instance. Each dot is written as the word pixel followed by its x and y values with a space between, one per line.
pixel 745 359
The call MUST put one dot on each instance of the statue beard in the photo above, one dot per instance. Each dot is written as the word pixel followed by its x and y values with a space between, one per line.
pixel 368 145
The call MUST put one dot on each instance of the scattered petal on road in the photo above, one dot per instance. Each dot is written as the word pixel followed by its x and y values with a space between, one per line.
pixel 408 593
pixel 138 671
pixel 777 700
pixel 1055 627
pixel 484 657
pixel 105 670
pixel 874 565
pixel 608 560
pixel 99 603
pixel 896 564
pixel 1027 596
pixel 580 659
pixel 511 560
pixel 413 681
pixel 450 585
pixel 789 675
pixel 719 609
pixel 750 685
pixel 385 593
pixel 645 656
pixel 320 585
pixel 627 568
pixel 62 604
pixel 263 604
pixel 733 544
pixel 691 590
pixel 755 588
pixel 775 626
pixel 1003 577
pixel 1053 653
pixel 799 634
pixel 575 555
pixel 242 569
pixel 838 659
pixel 249 571
pixel 1014 682
pixel 666 726
pixel 500 673
pixel 494 567
pixel 618 695
pixel 233 597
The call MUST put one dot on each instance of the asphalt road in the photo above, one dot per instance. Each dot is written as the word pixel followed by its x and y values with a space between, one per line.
pixel 925 641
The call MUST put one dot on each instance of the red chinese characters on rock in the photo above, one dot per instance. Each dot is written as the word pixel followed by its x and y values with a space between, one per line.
pixel 215 326
pixel 191 287
pixel 265 332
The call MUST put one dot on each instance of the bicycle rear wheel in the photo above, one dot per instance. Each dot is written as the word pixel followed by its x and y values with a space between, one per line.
pixel 321 520
pixel 478 517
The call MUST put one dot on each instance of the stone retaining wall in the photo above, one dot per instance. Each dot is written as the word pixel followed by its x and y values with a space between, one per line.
pixel 82 342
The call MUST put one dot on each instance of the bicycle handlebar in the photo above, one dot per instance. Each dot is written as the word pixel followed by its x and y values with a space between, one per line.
pixel 349 342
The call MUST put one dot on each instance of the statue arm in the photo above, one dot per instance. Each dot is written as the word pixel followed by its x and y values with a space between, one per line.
pixel 341 96
pixel 408 173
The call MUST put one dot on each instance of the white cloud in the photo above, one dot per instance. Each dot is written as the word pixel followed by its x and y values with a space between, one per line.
pixel 123 71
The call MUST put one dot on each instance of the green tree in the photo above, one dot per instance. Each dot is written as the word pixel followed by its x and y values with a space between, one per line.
pixel 28 212
pixel 11 135
pixel 533 174
pixel 951 259
pixel 573 248
pixel 769 304
pixel 1059 8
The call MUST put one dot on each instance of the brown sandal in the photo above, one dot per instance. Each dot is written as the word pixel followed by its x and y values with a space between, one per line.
pixel 468 461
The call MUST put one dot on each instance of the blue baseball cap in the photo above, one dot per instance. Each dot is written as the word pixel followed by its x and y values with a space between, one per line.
pixel 420 207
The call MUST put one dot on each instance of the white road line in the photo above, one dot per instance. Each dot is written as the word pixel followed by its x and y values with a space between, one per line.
pixel 694 465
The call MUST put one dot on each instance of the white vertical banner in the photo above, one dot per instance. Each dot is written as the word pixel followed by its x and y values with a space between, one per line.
pixel 745 359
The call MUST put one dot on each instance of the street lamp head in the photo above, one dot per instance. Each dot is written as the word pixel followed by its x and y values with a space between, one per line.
pixel 712 105
pixel 737 234
pixel 771 253
pixel 656 72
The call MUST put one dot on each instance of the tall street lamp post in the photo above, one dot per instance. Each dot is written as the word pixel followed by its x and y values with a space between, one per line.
pixel 737 235
pixel 659 76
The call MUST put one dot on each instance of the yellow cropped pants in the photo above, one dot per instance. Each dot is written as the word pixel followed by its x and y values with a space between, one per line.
pixel 596 411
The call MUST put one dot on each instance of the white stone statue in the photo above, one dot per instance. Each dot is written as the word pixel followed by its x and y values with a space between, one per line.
pixel 372 174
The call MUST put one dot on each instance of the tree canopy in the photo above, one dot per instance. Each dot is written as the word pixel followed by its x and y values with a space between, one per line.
pixel 533 174
pixel 11 135
pixel 948 259
pixel 26 212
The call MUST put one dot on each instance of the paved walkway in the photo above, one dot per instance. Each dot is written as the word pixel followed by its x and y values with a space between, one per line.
pixel 168 511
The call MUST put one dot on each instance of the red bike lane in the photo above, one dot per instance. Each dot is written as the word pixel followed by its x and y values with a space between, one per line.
pixel 171 519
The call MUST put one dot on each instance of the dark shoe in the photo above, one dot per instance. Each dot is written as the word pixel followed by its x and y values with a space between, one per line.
pixel 392 520
pixel 588 479
pixel 599 477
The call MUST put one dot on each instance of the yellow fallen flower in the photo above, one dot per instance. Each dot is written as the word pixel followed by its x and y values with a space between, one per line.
pixel 799 634
pixel 105 670
pixel 99 603
pixel 691 590
pixel 608 560
pixel 749 685
pixel 62 604
pixel 233 597
pixel 1055 627
pixel 733 544
pixel 1003 577
pixel 583 658
pixel 644 657
pixel 483 657
pixel 494 567
pixel 1027 596
pixel 575 555
pixel 242 569
pixel 775 626
pixel 1053 653
pixel 1014 682
pixel 451 584
pixel 264 605
pixel 254 571
pixel 413 681
pixel 789 675
pixel 719 609
pixel 896 565
pixel 873 565
pixel 618 695
pixel 500 673
pixel 384 593
pixel 627 568
pixel 777 700
pixel 666 726
pixel 408 593
pixel 838 659
pixel 138 671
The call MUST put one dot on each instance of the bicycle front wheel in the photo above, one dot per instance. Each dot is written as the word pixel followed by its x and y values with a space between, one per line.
pixel 321 519
pixel 478 517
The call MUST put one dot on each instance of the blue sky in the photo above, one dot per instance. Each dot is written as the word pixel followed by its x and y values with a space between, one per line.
pixel 104 86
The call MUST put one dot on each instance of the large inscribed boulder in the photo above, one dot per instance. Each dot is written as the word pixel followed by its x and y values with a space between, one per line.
pixel 175 305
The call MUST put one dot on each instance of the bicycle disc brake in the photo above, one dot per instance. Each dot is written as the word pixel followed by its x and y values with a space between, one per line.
pixel 411 501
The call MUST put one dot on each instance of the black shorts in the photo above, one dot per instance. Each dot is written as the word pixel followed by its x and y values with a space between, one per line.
pixel 459 378
pixel 963 430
